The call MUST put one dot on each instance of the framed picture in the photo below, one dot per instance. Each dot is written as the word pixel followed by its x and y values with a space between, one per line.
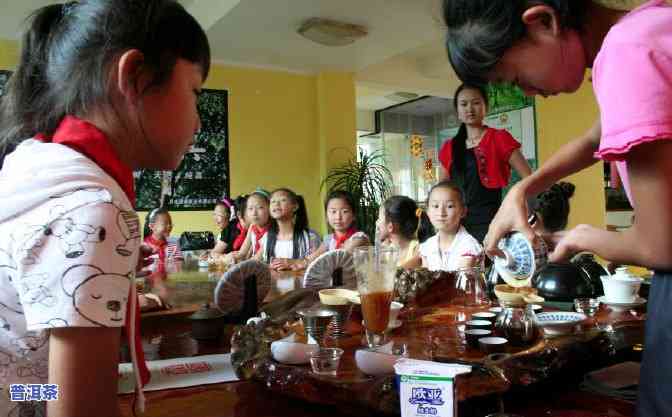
pixel 203 176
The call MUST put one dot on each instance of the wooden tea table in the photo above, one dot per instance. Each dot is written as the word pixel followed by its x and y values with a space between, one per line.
pixel 540 380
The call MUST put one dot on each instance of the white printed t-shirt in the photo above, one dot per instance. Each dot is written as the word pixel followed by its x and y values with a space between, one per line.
pixel 68 251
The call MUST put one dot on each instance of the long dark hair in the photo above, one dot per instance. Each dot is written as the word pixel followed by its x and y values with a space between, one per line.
pixel 300 246
pixel 459 142
pixel 345 196
pixel 67 52
pixel 408 217
pixel 553 206
pixel 479 32
pixel 151 219
pixel 240 203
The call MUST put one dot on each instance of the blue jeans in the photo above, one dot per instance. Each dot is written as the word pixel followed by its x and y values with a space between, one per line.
pixel 655 379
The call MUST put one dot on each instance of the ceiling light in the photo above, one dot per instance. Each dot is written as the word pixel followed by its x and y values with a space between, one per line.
pixel 330 32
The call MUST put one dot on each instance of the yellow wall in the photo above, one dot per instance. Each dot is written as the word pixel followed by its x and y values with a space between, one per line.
pixel 283 128
pixel 560 119
pixel 9 54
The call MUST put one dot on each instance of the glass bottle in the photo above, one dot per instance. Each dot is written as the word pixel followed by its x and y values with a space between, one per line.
pixel 471 288
pixel 518 324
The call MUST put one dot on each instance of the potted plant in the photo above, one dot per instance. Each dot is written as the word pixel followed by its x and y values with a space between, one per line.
pixel 369 182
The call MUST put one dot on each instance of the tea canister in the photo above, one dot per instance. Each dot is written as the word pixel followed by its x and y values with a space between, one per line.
pixel 522 259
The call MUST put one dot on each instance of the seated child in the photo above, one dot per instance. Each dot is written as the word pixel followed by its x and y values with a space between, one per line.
pixel 341 211
pixel 158 226
pixel 227 225
pixel 452 247
pixel 240 205
pixel 399 225
pixel 288 239
pixel 257 214
pixel 552 208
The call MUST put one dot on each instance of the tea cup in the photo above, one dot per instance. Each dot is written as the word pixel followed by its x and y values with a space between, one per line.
pixel 621 289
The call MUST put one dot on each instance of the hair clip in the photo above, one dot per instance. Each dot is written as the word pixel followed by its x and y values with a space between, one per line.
pixel 263 192
pixel 418 212
pixel 226 202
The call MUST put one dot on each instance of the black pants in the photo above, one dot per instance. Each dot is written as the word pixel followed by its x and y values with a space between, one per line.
pixel 655 379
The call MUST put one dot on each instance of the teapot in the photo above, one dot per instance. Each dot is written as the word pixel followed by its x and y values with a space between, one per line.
pixel 518 325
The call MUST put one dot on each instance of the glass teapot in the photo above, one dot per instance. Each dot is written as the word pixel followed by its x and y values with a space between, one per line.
pixel 518 324
pixel 471 287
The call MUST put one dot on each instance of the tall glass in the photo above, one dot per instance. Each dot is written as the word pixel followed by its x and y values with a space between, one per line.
pixel 375 268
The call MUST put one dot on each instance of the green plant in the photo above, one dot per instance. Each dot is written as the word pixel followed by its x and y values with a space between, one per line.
pixel 369 182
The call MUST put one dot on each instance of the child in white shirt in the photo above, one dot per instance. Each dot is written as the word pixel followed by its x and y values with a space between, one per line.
pixel 452 247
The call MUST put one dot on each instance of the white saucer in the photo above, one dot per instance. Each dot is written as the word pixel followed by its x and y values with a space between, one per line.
pixel 638 302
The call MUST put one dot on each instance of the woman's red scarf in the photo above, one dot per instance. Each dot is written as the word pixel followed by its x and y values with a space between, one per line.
pixel 87 139
pixel 340 240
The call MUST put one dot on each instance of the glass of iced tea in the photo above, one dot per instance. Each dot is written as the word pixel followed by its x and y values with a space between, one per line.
pixel 375 268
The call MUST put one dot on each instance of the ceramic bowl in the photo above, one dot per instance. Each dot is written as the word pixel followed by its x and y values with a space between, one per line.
pixel 478 324
pixel 559 322
pixel 490 345
pixel 289 352
pixel 338 296
pixel 506 294
pixel 484 315
pixel 373 362
pixel 472 336
pixel 621 289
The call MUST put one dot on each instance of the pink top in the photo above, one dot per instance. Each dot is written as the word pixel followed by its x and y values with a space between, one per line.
pixel 632 79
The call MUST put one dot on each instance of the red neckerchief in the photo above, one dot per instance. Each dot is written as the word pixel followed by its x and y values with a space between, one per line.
pixel 340 240
pixel 158 245
pixel 90 141
pixel 240 239
pixel 258 232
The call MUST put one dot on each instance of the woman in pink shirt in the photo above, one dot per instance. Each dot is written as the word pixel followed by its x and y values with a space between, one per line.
pixel 545 48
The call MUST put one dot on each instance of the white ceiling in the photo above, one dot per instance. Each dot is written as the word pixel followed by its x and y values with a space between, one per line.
pixel 402 52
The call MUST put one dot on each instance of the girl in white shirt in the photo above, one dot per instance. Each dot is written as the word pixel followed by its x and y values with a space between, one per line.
pixel 288 239
pixel 452 247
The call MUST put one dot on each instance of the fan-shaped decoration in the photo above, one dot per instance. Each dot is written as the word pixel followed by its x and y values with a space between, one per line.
pixel 230 291
pixel 330 268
